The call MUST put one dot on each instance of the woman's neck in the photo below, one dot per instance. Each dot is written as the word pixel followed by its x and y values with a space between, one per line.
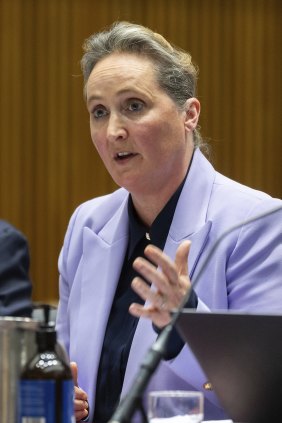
pixel 148 206
pixel 149 202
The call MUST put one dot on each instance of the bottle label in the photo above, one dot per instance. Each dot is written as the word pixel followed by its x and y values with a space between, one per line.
pixel 67 402
pixel 38 402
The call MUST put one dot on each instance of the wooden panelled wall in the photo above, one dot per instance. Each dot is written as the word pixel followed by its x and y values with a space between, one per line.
pixel 47 163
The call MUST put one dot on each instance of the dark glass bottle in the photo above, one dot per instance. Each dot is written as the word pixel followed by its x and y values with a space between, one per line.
pixel 46 385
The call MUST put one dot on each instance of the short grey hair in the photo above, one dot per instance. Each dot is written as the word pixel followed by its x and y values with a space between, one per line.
pixel 175 72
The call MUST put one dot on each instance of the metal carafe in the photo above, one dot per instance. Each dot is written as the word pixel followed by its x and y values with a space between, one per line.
pixel 17 346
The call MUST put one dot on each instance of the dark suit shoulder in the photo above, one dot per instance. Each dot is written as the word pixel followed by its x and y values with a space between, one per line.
pixel 15 285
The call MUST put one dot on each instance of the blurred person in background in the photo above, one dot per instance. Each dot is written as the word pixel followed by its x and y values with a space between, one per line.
pixel 15 284
pixel 129 257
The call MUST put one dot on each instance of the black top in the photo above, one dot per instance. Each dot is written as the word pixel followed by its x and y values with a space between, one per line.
pixel 122 325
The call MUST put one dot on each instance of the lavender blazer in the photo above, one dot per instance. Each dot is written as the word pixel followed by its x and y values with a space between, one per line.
pixel 244 274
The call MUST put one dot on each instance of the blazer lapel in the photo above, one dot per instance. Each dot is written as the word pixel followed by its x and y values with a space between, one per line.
pixel 100 274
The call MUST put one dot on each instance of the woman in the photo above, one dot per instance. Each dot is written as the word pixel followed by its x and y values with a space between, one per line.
pixel 129 250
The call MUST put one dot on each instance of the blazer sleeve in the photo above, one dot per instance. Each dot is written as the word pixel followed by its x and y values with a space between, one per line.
pixel 253 278
pixel 15 285
pixel 254 269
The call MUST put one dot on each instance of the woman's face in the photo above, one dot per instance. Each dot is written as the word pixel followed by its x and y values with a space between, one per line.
pixel 135 126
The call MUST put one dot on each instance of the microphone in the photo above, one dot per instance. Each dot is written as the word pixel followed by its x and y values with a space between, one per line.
pixel 156 352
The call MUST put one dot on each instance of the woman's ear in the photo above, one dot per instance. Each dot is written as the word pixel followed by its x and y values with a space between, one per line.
pixel 192 110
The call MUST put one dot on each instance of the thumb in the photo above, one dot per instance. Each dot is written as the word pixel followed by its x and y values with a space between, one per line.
pixel 181 258
pixel 74 371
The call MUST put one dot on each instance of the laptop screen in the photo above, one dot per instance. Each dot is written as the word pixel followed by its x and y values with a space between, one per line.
pixel 241 355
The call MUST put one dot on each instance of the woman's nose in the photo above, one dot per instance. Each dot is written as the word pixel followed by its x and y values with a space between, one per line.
pixel 116 129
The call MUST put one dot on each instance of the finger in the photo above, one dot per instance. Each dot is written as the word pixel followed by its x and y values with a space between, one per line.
pixel 74 371
pixel 80 405
pixel 145 292
pixel 79 394
pixel 155 299
pixel 181 257
pixel 166 290
pixel 159 318
pixel 80 397
pixel 79 415
pixel 149 272
pixel 159 258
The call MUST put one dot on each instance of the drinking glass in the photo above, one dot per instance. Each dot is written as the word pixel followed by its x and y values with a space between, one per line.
pixel 175 407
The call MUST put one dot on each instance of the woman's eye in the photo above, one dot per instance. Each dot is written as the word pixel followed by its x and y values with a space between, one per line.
pixel 99 112
pixel 135 106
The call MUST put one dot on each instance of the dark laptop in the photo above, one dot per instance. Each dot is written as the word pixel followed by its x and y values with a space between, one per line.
pixel 241 355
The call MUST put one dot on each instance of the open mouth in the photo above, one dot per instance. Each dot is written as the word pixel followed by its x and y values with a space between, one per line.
pixel 124 155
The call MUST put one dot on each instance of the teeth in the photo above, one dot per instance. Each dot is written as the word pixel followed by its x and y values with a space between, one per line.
pixel 123 154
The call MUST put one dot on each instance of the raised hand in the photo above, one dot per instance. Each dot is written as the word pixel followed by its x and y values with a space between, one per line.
pixel 170 279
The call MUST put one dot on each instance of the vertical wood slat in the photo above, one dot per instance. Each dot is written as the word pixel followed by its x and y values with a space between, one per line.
pixel 47 162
